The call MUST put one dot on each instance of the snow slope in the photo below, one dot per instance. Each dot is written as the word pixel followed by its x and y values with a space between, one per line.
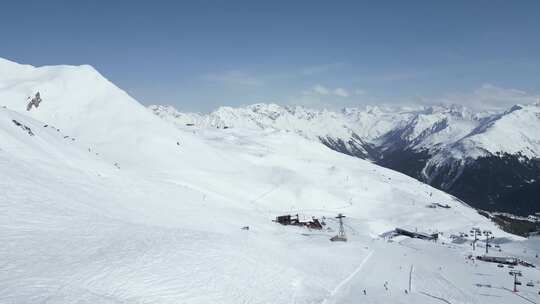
pixel 137 210
pixel 447 146
pixel 81 102
pixel 324 125
pixel 514 131
pixel 453 129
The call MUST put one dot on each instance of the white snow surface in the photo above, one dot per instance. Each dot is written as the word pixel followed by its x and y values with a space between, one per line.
pixel 444 130
pixel 103 202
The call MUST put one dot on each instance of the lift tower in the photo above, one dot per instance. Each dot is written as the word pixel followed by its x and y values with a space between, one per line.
pixel 476 232
pixel 516 274
pixel 341 234
pixel 489 237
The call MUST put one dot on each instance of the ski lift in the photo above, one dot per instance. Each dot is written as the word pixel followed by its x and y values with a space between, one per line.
pixel 340 237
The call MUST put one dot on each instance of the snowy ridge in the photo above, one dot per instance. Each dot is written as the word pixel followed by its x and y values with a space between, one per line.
pixel 155 215
pixel 374 121
pixel 515 131
pixel 453 128
pixel 327 126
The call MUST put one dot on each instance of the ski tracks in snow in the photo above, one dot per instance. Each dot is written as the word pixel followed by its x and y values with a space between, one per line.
pixel 335 291
pixel 435 297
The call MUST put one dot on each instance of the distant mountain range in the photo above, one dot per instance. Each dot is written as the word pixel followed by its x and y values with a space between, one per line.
pixel 490 159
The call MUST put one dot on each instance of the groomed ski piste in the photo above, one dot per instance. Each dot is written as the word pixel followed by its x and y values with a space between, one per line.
pixel 103 202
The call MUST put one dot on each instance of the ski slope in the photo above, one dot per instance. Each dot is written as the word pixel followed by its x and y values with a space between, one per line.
pixel 103 202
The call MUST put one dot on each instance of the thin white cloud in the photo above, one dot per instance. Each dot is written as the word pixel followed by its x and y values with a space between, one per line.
pixel 234 77
pixel 489 96
pixel 341 92
pixel 320 90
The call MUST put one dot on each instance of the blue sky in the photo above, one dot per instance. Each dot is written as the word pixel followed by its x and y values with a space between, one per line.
pixel 198 55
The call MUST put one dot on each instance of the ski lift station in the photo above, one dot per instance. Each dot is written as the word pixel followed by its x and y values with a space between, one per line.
pixel 417 235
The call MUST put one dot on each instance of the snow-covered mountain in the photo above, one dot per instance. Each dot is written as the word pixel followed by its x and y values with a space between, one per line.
pixel 103 202
pixel 447 146
pixel 350 129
